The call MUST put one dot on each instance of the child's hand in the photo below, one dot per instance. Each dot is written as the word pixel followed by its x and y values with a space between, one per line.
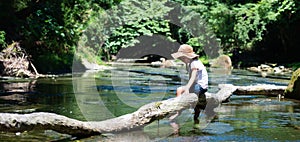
pixel 186 90
pixel 182 90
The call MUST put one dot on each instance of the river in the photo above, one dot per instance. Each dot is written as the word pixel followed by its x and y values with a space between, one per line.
pixel 96 96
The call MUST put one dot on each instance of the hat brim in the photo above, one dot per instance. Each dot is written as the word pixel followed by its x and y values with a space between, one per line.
pixel 180 54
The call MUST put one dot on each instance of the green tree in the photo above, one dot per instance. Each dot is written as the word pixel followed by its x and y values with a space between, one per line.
pixel 51 29
pixel 120 26
pixel 241 24
pixel 48 29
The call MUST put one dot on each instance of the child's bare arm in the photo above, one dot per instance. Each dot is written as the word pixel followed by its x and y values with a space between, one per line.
pixel 191 81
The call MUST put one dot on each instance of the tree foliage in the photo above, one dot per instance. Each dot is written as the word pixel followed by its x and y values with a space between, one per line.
pixel 120 26
pixel 242 24
pixel 51 29
pixel 48 29
pixel 2 38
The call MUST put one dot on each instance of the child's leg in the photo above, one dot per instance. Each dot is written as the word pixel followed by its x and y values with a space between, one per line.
pixel 197 111
pixel 201 104
pixel 173 123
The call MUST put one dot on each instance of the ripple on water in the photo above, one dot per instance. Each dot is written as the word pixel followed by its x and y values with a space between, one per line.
pixel 218 128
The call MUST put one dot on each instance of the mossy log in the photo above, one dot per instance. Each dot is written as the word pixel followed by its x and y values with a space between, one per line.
pixel 293 88
pixel 144 115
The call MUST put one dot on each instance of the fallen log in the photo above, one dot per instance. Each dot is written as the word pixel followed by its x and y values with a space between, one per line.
pixel 226 90
pixel 44 121
pixel 144 115
pixel 260 89
pixel 224 93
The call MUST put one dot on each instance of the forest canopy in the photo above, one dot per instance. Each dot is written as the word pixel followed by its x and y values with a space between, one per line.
pixel 49 30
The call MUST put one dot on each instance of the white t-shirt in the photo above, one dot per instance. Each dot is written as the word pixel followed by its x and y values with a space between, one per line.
pixel 202 76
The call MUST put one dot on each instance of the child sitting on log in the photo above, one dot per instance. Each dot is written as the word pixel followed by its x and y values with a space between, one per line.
pixel 198 77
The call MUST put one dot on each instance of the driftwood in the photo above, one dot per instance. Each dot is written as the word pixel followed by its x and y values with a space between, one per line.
pixel 226 90
pixel 144 115
pixel 260 89
pixel 14 61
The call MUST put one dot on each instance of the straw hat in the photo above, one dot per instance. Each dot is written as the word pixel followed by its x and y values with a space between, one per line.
pixel 186 51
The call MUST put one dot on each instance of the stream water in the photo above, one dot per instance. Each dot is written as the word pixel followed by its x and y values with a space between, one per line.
pixel 96 96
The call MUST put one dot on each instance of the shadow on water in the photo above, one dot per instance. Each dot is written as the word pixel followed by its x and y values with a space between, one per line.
pixel 110 93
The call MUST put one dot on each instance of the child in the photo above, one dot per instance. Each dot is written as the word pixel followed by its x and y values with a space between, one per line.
pixel 198 77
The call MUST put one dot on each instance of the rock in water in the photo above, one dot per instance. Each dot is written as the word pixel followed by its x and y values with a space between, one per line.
pixel 221 65
pixel 223 61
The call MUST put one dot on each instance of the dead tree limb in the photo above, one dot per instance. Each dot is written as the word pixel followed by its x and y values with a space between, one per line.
pixel 260 89
pixel 224 93
pixel 43 121
pixel 145 115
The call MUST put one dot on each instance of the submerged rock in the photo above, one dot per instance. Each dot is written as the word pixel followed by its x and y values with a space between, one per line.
pixel 218 128
pixel 293 88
